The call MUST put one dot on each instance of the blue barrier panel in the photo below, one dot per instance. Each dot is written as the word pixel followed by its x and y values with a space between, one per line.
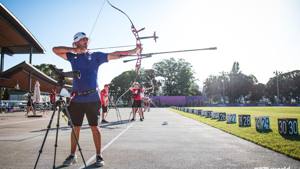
pixel 262 123
pixel 231 118
pixel 214 115
pixel 208 114
pixel 288 126
pixel 244 120
pixel 222 116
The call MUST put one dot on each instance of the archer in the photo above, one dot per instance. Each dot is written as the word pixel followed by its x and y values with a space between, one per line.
pixel 137 96
pixel 86 98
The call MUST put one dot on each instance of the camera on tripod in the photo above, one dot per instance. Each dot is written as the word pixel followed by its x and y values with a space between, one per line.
pixel 62 107
pixel 62 75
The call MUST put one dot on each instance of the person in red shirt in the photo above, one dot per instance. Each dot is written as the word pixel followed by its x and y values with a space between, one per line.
pixel 136 91
pixel 104 102
pixel 53 98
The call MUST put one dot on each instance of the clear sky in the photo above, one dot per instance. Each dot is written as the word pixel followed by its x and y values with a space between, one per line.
pixel 262 35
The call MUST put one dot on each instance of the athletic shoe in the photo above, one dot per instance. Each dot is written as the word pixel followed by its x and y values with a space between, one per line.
pixel 72 159
pixel 99 161
pixel 104 121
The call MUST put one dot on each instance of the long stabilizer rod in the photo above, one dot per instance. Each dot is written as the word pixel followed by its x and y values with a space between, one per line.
pixel 147 55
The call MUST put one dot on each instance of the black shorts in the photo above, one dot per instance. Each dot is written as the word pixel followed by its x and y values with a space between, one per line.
pixel 104 109
pixel 137 103
pixel 29 103
pixel 90 109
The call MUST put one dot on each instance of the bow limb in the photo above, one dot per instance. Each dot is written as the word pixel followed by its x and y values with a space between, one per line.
pixel 135 32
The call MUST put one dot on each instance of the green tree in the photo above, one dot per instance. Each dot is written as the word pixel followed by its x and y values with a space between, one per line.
pixel 258 91
pixel 195 90
pixel 148 80
pixel 240 86
pixel 120 84
pixel 288 85
pixel 216 87
pixel 178 77
pixel 233 85
pixel 48 70
pixel 235 68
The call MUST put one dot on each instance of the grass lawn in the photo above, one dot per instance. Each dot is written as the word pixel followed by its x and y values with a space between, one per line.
pixel 272 140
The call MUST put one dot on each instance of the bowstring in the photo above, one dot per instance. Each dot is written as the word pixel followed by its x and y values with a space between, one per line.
pixel 96 20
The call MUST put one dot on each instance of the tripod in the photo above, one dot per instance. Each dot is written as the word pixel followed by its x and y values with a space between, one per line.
pixel 113 105
pixel 119 99
pixel 62 106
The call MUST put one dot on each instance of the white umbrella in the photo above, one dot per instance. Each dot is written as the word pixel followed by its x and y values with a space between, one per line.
pixel 37 92
pixel 64 92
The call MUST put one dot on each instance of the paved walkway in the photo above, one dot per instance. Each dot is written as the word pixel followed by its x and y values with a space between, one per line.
pixel 164 140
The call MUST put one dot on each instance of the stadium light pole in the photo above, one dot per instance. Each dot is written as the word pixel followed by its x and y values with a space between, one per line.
pixel 277 73
pixel 223 92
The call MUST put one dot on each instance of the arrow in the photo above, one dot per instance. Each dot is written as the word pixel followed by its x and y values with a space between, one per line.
pixel 147 55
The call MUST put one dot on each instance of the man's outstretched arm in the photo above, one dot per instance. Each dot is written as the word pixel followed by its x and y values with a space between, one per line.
pixel 121 54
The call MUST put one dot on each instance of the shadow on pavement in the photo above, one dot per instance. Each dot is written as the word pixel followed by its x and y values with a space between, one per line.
pixel 91 166
pixel 86 126
pixel 60 166
pixel 60 128
pixel 115 123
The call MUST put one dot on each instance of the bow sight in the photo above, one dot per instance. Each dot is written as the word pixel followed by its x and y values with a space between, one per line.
pixel 150 37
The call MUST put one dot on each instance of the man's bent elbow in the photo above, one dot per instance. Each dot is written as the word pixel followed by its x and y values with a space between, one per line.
pixel 56 50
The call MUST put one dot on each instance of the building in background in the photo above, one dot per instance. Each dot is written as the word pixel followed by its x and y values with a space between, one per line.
pixel 17 81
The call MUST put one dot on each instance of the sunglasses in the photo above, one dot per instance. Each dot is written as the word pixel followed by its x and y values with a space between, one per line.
pixel 85 39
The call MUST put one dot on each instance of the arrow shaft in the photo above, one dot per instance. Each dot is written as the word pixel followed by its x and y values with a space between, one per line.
pixel 143 57
pixel 147 55
pixel 180 51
